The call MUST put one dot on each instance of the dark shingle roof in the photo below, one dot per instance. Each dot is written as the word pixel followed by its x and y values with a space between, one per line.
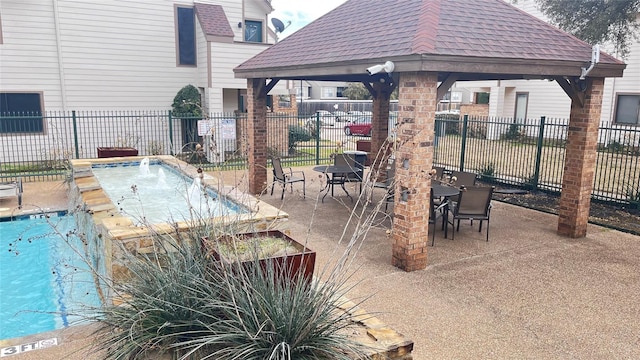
pixel 380 29
pixel 213 20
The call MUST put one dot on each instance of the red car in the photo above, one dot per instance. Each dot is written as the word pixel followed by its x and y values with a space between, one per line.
pixel 360 126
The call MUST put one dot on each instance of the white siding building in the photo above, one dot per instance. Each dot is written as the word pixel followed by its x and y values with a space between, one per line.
pixel 531 99
pixel 125 55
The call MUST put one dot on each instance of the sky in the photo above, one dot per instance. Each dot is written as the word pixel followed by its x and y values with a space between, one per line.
pixel 300 12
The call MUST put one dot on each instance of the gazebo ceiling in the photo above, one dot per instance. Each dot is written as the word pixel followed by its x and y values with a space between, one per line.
pixel 475 40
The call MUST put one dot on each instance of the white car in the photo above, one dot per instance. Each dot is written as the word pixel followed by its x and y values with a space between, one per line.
pixel 341 116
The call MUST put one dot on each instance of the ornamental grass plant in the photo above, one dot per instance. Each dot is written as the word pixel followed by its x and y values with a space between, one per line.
pixel 180 303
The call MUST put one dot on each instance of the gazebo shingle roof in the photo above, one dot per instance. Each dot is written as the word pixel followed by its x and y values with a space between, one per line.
pixel 380 29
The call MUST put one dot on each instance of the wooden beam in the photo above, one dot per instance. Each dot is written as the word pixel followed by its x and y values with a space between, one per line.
pixel 575 88
pixel 388 85
pixel 259 87
pixel 446 84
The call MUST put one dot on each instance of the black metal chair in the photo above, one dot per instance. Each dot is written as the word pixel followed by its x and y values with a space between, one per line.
pixel 436 210
pixel 286 178
pixel 350 161
pixel 474 203
pixel 388 185
pixel 463 179
pixel 439 173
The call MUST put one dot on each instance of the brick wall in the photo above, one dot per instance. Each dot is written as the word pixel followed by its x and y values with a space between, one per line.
pixel 291 110
pixel 257 135
pixel 417 103
pixel 474 110
pixel 580 162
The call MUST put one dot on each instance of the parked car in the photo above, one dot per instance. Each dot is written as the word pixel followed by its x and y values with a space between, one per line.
pixel 448 114
pixel 326 119
pixel 360 126
pixel 341 116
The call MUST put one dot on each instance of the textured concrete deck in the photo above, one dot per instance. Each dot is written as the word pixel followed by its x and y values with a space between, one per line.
pixel 526 294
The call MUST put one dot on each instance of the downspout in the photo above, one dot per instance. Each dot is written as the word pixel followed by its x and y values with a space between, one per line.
pixel 56 20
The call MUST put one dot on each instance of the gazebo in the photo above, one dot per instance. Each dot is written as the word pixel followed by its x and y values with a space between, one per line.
pixel 432 44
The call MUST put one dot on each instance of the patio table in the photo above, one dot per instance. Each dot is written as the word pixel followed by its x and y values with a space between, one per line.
pixel 338 177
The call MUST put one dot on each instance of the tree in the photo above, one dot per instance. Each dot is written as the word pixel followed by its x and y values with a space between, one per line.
pixel 596 21
pixel 356 91
pixel 187 102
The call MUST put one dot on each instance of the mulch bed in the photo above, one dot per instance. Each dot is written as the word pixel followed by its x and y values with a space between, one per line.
pixel 616 216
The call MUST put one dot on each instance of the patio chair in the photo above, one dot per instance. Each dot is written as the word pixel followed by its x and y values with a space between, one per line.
pixel 440 170
pixel 350 160
pixel 11 189
pixel 463 179
pixel 474 203
pixel 436 211
pixel 286 178
pixel 388 185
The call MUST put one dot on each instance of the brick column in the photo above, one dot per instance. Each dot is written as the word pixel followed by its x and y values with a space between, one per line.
pixel 257 135
pixel 417 104
pixel 580 162
pixel 380 128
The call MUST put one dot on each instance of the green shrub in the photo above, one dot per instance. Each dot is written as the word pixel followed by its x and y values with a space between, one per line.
pixel 297 134
pixel 186 103
pixel 487 172
pixel 633 195
pixel 514 132
pixel 530 183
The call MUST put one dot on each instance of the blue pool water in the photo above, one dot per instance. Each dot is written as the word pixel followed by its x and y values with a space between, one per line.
pixel 43 282
pixel 159 193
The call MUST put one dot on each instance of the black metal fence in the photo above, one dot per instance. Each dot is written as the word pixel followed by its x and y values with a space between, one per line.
pixel 531 154
pixel 528 154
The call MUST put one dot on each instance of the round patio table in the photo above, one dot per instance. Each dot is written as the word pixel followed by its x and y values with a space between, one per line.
pixel 338 175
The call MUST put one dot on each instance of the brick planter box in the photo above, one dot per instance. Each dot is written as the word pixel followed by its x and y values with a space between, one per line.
pixel 301 259
pixel 107 152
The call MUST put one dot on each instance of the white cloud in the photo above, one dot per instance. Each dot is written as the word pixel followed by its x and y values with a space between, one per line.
pixel 300 12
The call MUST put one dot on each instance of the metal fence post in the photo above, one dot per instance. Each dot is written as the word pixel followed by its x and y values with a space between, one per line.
pixel 75 134
pixel 317 138
pixel 536 175
pixel 170 132
pixel 463 149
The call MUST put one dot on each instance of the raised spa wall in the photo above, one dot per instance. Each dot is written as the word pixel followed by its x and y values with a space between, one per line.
pixel 107 223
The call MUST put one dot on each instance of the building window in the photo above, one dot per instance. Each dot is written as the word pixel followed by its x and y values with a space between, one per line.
pixel 628 109
pixel 21 113
pixel 253 31
pixel 328 92
pixel 339 91
pixel 482 98
pixel 186 36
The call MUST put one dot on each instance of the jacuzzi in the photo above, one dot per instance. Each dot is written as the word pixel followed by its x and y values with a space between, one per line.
pixel 103 217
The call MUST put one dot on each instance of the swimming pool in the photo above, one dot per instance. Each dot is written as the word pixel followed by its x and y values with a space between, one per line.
pixel 150 192
pixel 44 284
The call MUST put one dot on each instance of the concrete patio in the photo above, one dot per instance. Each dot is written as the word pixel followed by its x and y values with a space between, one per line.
pixel 528 293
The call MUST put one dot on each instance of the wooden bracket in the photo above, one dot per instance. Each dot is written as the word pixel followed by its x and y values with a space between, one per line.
pixel 372 91
pixel 446 84
pixel 270 85
pixel 389 85
pixel 574 88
